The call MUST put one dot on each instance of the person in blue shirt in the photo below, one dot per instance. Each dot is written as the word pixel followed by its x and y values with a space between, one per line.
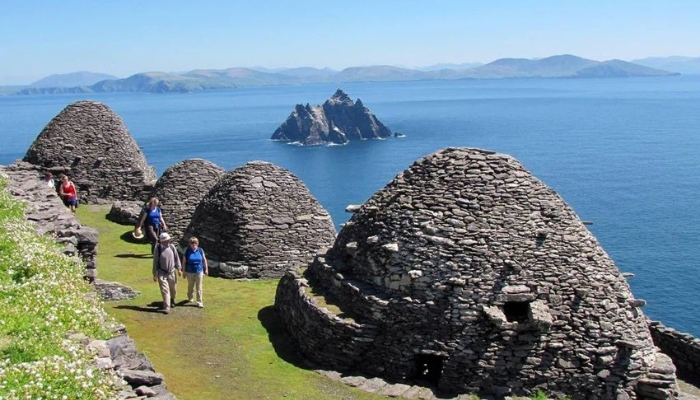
pixel 196 267
pixel 152 216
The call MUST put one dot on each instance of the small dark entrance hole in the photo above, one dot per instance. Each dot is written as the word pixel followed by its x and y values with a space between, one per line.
pixel 539 240
pixel 428 368
pixel 516 311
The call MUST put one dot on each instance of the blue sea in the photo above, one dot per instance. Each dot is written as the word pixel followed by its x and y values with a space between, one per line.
pixel 624 153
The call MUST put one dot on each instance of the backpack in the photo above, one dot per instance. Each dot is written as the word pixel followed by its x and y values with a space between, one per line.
pixel 199 250
pixel 160 251
pixel 189 251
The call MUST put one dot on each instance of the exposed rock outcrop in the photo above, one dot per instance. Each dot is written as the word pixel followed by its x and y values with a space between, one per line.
pixel 114 291
pixel 469 273
pixel 90 143
pixel 125 212
pixel 338 120
pixel 136 370
pixel 181 188
pixel 258 221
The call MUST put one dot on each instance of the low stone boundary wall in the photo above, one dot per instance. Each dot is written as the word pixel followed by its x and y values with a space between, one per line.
pixel 318 326
pixel 683 348
pixel 46 210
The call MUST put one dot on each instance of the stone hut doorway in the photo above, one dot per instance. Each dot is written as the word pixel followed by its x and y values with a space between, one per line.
pixel 428 368
pixel 516 311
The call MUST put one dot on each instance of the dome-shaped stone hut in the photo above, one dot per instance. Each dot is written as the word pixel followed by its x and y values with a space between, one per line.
pixel 181 188
pixel 89 142
pixel 258 221
pixel 468 273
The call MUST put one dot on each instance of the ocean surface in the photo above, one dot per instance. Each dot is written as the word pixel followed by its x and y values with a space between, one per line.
pixel 624 153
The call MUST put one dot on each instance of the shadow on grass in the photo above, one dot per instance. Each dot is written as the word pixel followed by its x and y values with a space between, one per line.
pixel 279 338
pixel 130 255
pixel 128 237
pixel 153 307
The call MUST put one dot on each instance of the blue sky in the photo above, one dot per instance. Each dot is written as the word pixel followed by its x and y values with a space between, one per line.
pixel 123 37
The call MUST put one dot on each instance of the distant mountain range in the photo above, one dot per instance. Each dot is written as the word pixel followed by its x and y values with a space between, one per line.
pixel 683 65
pixel 73 79
pixel 561 66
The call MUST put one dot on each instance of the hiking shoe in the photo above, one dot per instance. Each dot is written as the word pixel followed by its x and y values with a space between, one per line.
pixel 200 305
pixel 172 303
pixel 166 311
pixel 189 300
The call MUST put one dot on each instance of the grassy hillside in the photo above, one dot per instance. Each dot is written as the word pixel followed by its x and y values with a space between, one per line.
pixel 234 348
pixel 45 306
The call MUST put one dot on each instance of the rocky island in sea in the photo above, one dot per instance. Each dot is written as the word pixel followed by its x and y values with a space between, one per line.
pixel 338 121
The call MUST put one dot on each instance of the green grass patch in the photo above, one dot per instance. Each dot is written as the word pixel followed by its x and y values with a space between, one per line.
pixel 324 301
pixel 234 348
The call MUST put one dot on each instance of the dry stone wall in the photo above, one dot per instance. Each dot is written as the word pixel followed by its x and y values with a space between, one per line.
pixel 181 188
pixel 46 210
pixel 90 143
pixel 468 272
pixel 683 348
pixel 259 221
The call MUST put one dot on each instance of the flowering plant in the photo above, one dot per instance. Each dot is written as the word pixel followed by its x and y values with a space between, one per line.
pixel 43 301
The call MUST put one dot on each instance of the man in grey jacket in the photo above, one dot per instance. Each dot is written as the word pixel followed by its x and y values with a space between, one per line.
pixel 166 267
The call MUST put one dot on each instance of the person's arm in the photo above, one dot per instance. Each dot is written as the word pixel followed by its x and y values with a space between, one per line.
pixel 178 264
pixel 162 221
pixel 205 263
pixel 61 191
pixel 156 257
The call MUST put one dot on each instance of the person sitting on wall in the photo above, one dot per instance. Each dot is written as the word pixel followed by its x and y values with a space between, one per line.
pixel 68 193
pixel 152 216
pixel 48 180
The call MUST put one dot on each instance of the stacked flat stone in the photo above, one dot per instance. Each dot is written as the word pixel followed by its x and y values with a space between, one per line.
pixel 126 212
pixel 181 188
pixel 258 221
pixel 469 273
pixel 90 143
pixel 47 212
pixel 683 348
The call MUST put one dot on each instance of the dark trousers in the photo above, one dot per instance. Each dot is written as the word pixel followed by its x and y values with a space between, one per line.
pixel 153 232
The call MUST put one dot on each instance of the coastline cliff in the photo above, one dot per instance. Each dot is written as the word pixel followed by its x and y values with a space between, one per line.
pixel 338 120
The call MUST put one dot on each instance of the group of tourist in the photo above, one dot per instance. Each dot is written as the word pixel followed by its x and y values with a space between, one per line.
pixel 168 263
pixel 66 190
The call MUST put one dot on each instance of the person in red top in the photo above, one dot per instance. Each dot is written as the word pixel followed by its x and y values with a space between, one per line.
pixel 68 193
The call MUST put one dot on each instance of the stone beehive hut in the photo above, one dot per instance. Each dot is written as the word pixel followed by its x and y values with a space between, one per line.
pixel 259 221
pixel 181 188
pixel 89 142
pixel 470 274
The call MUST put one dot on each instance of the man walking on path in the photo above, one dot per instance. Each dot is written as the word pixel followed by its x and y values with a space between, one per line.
pixel 166 267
